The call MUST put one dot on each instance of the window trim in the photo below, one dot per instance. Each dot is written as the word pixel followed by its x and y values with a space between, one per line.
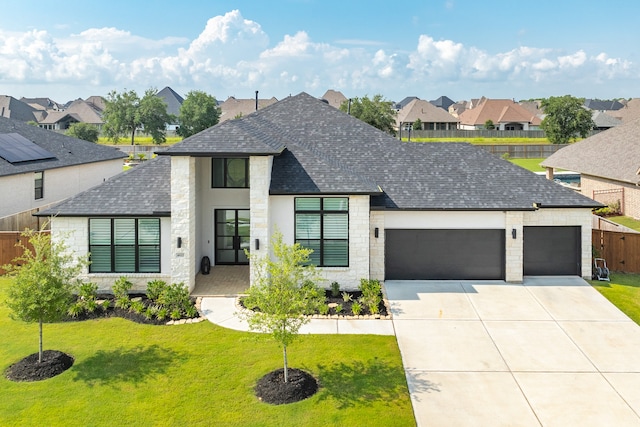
pixel 136 246
pixel 321 212
pixel 226 171
pixel 38 189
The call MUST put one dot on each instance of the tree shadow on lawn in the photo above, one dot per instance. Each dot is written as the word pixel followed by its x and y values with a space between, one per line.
pixel 131 365
pixel 365 383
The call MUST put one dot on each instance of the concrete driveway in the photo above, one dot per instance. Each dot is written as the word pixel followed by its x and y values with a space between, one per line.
pixel 549 352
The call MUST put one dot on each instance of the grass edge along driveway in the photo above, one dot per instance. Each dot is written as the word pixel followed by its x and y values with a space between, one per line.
pixel 196 375
pixel 623 291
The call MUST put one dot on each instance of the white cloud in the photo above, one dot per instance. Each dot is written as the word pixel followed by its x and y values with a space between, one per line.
pixel 233 55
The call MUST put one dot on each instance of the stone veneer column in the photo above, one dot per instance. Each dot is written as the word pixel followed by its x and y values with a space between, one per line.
pixel 376 245
pixel 183 220
pixel 260 180
pixel 514 248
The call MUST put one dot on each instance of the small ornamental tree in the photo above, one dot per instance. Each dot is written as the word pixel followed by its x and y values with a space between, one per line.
pixel 283 292
pixel 43 281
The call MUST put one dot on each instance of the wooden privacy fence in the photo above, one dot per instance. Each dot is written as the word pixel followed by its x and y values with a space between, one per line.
pixel 620 250
pixel 8 249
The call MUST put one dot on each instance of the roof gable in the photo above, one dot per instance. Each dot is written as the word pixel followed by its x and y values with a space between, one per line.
pixel 612 154
pixel 425 111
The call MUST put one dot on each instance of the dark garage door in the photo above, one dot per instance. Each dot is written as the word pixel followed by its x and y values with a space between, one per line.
pixel 444 254
pixel 551 251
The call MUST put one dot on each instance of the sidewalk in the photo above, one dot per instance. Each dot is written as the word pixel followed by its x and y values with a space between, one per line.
pixel 222 312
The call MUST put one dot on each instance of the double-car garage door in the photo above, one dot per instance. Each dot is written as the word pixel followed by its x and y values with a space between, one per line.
pixel 477 254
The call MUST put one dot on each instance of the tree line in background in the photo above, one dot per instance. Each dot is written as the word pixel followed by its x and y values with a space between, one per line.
pixel 125 112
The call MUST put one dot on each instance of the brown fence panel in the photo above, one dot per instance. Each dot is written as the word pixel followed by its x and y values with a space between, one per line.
pixel 8 249
pixel 620 250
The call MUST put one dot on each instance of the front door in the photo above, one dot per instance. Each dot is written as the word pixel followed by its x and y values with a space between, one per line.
pixel 232 236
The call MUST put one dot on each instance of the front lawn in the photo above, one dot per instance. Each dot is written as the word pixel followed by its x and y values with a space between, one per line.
pixel 196 375
pixel 623 291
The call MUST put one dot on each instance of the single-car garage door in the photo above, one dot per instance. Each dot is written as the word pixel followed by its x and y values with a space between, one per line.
pixel 552 251
pixel 444 254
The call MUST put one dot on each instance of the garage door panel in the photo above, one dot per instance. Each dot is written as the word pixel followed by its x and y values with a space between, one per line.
pixel 552 251
pixel 444 254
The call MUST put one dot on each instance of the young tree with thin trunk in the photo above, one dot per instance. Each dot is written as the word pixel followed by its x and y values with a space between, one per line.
pixel 283 293
pixel 44 277
pixel 566 119
pixel 198 112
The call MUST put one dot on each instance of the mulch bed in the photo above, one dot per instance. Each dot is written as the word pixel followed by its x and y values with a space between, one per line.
pixel 29 369
pixel 272 389
pixel 113 311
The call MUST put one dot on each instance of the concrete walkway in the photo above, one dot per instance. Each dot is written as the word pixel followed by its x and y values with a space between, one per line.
pixel 222 311
pixel 549 352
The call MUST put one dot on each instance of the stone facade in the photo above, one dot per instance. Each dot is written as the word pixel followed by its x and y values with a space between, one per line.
pixel 260 179
pixel 629 196
pixel 376 246
pixel 514 255
pixel 183 221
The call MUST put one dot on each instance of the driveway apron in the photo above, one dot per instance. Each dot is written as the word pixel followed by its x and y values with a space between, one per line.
pixel 551 351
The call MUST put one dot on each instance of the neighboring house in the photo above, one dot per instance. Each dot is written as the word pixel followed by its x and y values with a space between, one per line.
pixel 603 121
pixel 39 167
pixel 505 114
pixel 630 111
pixel 609 166
pixel 58 120
pixel 174 102
pixel 443 102
pixel 233 108
pixel 400 105
pixel 599 105
pixel 334 98
pixel 78 111
pixel 369 205
pixel 42 103
pixel 11 108
pixel 432 117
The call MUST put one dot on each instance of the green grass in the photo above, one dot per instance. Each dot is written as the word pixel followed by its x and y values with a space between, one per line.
pixel 138 140
pixel 196 375
pixel 480 141
pixel 623 291
pixel 530 164
pixel 627 221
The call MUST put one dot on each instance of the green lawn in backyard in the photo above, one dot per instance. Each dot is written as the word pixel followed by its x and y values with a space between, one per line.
pixel 138 140
pixel 623 291
pixel 627 221
pixel 196 375
pixel 487 141
pixel 530 164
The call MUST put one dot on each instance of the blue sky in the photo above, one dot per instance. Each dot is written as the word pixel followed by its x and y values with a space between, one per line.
pixel 427 48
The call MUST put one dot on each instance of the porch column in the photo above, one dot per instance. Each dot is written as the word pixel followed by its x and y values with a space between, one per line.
pixel 260 180
pixel 183 221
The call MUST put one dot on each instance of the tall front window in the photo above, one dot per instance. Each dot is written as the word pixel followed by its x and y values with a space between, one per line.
pixel 124 245
pixel 322 224
pixel 230 173
pixel 39 185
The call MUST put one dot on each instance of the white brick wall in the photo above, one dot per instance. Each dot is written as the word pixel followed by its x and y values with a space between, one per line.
pixel 376 245
pixel 514 258
pixel 183 220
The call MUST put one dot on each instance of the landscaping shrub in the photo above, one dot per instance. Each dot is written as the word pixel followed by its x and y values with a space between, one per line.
pixel 121 289
pixel 371 294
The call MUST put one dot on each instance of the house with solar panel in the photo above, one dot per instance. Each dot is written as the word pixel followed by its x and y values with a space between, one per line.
pixel 370 207
pixel 39 168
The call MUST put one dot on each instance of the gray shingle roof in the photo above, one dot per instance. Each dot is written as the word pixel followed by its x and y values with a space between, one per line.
pixel 144 190
pixel 612 154
pixel 68 151
pixel 319 150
